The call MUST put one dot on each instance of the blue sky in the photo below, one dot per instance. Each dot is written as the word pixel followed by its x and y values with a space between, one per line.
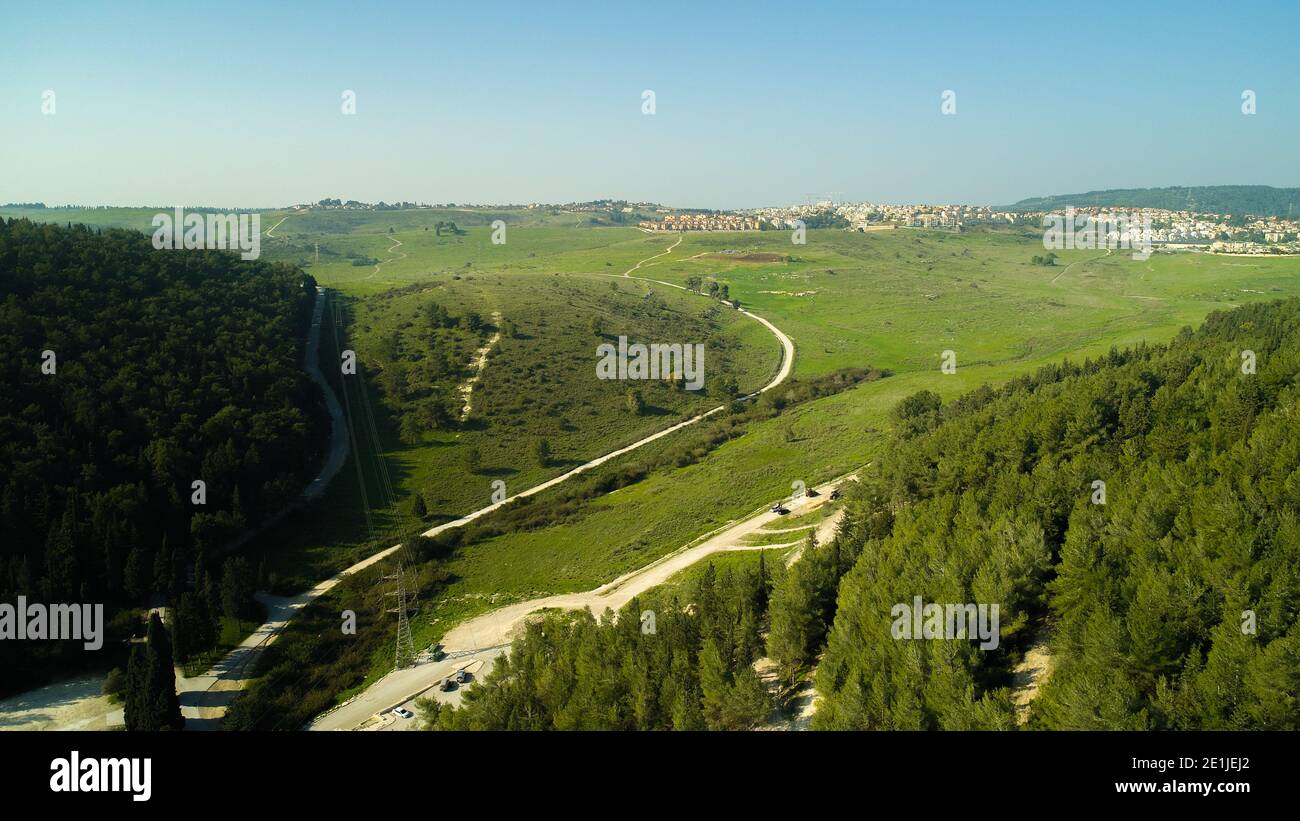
pixel 756 103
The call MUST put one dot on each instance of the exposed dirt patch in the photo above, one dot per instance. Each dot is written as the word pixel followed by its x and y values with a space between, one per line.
pixel 800 701
pixel 1029 675
pixel 72 704
pixel 477 365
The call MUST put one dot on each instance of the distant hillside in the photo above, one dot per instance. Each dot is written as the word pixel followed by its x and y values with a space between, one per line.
pixel 1260 200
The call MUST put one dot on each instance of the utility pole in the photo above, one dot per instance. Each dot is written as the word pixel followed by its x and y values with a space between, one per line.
pixel 404 654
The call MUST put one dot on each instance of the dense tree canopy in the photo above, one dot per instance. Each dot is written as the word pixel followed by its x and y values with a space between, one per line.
pixel 691 668
pixel 167 367
pixel 1170 595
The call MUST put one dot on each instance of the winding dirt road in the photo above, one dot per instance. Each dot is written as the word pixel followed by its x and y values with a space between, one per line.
pixel 1066 269
pixel 273 227
pixel 656 256
pixel 478 363
pixel 397 243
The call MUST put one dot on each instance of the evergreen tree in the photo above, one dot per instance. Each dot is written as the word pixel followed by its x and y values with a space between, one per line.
pixel 134 712
pixel 237 589
pixel 715 686
pixel 151 702
pixel 161 704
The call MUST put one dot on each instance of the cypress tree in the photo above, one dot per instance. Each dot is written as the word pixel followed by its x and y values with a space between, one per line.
pixel 162 706
pixel 133 700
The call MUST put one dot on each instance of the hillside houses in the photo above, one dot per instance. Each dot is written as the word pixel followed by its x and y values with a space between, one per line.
pixel 704 222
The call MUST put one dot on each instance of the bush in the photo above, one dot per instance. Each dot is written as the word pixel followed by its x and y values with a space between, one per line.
pixel 114 682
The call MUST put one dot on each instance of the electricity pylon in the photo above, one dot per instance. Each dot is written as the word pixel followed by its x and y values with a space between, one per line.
pixel 404 654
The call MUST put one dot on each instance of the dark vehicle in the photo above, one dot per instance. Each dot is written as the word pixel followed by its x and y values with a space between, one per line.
pixel 779 508
pixel 835 494
pixel 462 676
pixel 446 684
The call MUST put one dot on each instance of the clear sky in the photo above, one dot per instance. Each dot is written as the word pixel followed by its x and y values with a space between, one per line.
pixel 238 104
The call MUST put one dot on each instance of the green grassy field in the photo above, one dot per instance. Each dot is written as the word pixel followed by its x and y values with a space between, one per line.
pixel 540 383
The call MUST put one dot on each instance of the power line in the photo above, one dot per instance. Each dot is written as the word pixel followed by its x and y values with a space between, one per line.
pixel 404 651
pixel 352 433
pixel 376 449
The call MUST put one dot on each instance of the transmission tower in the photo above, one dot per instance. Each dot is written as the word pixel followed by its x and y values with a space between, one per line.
pixel 405 649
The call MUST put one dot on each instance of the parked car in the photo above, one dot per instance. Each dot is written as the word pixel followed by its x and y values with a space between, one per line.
pixel 462 676
pixel 437 653
pixel 446 684
pixel 402 712
pixel 835 494
pixel 779 508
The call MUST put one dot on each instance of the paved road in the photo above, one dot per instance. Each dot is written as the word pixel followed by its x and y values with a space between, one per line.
pixel 485 637
pixel 477 666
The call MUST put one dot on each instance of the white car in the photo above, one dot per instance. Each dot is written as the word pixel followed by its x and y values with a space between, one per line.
pixel 402 712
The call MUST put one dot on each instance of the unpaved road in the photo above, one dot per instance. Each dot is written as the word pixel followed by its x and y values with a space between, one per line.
pixel 478 363
pixel 656 256
pixel 488 636
pixel 72 704
pixel 397 243
pixel 273 227
pixel 1076 262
